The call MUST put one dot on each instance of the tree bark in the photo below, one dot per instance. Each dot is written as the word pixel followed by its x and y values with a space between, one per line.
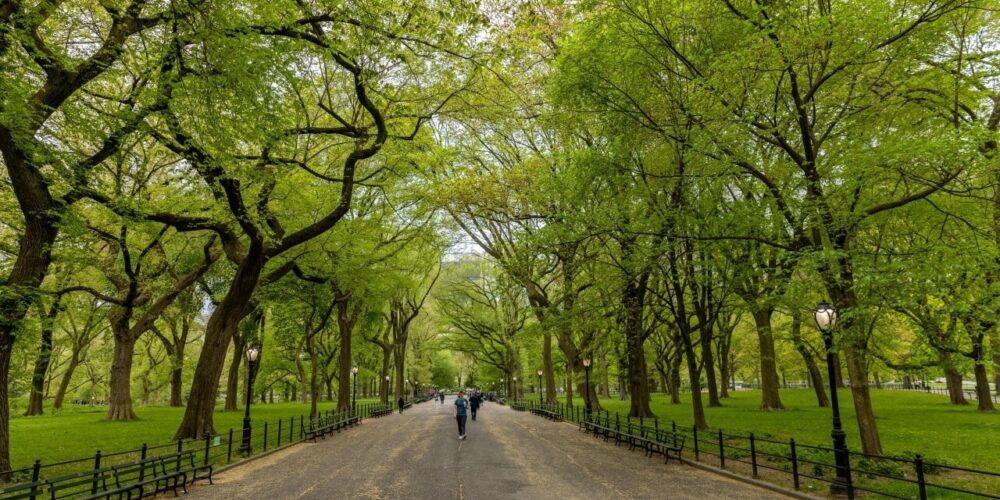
pixel 347 317
pixel 815 376
pixel 67 377
pixel 985 399
pixel 693 374
pixel 549 376
pixel 120 399
pixel 221 326
pixel 863 409
pixel 770 397
pixel 233 380
pixel 605 376
pixel 42 362
pixel 954 380
pixel 675 376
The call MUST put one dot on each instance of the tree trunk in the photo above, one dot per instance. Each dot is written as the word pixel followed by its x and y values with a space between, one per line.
pixel 709 361
pixel 815 376
pixel 695 377
pixel 605 377
pixel 67 377
pixel 35 406
pixel 815 379
pixel 954 381
pixel 550 377
pixel 314 392
pixel 838 369
pixel 383 374
pixel 983 388
pixel 233 380
pixel 177 366
pixel 867 427
pixel 770 398
pixel 569 386
pixel 34 254
pixel 120 399
pixel 6 346
pixel 345 360
pixel 219 332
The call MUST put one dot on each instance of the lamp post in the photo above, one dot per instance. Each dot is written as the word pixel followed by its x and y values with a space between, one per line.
pixel 354 394
pixel 503 389
pixel 826 319
pixel 540 400
pixel 385 393
pixel 515 388
pixel 586 390
pixel 252 353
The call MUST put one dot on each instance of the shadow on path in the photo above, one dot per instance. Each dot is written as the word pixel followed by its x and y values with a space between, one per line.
pixel 508 454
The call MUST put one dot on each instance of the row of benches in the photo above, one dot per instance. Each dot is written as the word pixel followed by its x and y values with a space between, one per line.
pixel 147 476
pixel 380 411
pixel 541 411
pixel 651 440
pixel 322 426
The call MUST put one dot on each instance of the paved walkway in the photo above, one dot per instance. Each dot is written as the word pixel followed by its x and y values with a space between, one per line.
pixel 507 455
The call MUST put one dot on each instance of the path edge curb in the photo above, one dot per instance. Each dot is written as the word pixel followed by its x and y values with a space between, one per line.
pixel 749 480
pixel 737 477
pixel 253 458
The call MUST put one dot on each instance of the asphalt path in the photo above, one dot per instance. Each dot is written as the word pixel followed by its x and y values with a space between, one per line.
pixel 507 455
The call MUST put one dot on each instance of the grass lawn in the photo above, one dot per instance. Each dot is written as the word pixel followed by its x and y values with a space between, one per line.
pixel 908 422
pixel 79 431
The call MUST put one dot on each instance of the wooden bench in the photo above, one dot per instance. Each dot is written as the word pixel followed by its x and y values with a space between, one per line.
pixel 335 422
pixel 22 491
pixel 183 463
pixel 148 476
pixel 549 414
pixel 650 440
pixel 381 411
pixel 87 482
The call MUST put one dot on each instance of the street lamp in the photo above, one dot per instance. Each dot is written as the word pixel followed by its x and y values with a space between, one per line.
pixel 540 401
pixel 826 319
pixel 385 393
pixel 515 388
pixel 586 391
pixel 252 353
pixel 354 395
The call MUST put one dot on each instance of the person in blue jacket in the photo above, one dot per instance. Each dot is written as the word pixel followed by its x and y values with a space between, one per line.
pixel 461 407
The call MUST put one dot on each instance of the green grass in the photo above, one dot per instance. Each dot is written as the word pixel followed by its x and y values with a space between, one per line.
pixel 79 431
pixel 908 422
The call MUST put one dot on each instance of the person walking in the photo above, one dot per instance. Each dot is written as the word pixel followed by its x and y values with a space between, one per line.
pixel 461 404
pixel 400 404
pixel 474 403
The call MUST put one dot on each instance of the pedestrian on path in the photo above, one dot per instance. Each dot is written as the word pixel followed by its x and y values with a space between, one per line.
pixel 474 403
pixel 460 408
pixel 400 403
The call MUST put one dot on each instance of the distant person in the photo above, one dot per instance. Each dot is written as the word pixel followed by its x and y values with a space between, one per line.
pixel 441 395
pixel 400 404
pixel 474 403
pixel 460 413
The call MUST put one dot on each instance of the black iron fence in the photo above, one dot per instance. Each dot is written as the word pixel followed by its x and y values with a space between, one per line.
pixel 803 467
pixel 968 393
pixel 216 450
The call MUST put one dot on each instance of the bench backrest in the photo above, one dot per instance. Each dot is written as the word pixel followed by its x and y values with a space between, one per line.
pixel 80 483
pixel 177 462
pixel 22 490
pixel 135 472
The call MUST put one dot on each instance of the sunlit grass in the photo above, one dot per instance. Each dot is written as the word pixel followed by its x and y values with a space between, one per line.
pixel 908 422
